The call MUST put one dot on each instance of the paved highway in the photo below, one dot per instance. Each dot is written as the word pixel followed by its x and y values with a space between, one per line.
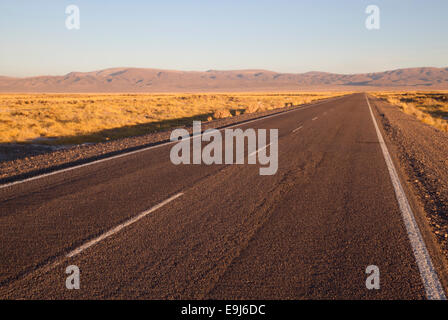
pixel 138 226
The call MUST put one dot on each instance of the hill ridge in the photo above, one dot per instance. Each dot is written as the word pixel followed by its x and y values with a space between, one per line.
pixel 130 79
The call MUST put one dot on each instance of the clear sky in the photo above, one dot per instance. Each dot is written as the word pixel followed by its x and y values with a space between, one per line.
pixel 279 35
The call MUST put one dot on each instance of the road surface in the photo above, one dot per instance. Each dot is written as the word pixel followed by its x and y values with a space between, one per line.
pixel 140 227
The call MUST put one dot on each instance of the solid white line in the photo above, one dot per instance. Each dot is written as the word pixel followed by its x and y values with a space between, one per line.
pixel 157 146
pixel 121 226
pixel 297 129
pixel 433 288
pixel 255 152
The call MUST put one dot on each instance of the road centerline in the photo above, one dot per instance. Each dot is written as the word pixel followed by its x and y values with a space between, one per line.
pixel 303 107
pixel 262 148
pixel 121 226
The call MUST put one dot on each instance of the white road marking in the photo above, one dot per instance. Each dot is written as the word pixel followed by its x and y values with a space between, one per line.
pixel 121 226
pixel 255 152
pixel 315 118
pixel 157 146
pixel 433 288
pixel 297 129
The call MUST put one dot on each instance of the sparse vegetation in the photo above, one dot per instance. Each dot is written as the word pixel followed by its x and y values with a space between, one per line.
pixel 78 118
pixel 222 113
pixel 429 107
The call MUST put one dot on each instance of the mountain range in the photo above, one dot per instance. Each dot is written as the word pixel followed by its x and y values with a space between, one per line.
pixel 157 80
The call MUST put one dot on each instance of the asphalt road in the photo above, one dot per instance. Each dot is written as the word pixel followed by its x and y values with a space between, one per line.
pixel 307 232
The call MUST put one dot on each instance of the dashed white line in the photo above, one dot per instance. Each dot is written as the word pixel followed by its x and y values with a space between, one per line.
pixel 433 287
pixel 297 129
pixel 255 152
pixel 121 226
pixel 315 118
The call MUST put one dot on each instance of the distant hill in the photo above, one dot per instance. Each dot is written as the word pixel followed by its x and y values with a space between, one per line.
pixel 154 80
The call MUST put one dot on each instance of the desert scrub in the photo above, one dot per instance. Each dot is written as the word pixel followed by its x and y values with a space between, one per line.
pixel 429 107
pixel 222 113
pixel 78 118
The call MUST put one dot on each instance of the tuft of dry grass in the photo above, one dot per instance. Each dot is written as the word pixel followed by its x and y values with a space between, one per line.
pixel 429 107
pixel 222 113
pixel 78 118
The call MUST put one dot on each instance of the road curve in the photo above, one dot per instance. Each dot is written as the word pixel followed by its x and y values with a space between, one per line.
pixel 140 227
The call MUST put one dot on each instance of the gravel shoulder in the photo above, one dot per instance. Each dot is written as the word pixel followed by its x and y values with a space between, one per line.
pixel 422 154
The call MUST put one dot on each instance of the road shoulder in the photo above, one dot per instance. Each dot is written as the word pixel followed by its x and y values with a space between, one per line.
pixel 419 153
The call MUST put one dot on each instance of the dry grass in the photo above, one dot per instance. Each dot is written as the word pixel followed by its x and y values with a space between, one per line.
pixel 429 107
pixel 78 118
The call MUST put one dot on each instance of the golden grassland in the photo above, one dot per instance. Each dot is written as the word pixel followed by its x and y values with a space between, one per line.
pixel 78 118
pixel 429 107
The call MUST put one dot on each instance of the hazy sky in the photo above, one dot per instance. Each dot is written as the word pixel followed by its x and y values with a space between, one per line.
pixel 279 35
